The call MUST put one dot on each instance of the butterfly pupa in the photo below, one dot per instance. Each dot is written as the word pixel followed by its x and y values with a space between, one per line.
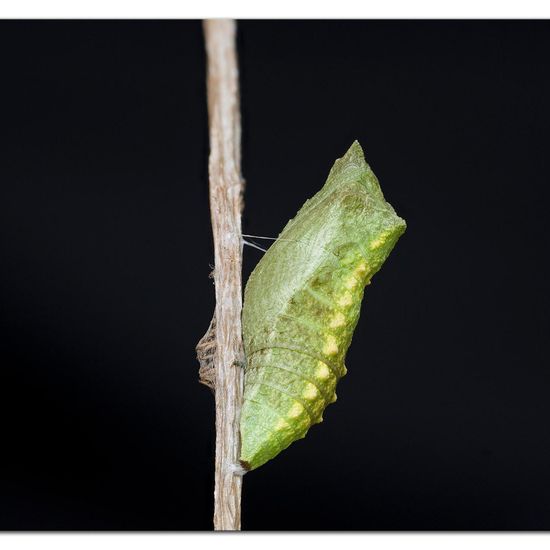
pixel 302 304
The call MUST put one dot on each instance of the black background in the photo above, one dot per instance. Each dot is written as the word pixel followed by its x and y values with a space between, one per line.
pixel 442 421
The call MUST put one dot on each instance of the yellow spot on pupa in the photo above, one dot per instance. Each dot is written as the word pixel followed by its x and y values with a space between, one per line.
pixel 331 346
pixel 310 392
pixel 377 243
pixel 361 268
pixel 281 424
pixel 345 300
pixel 351 282
pixel 322 371
pixel 338 320
pixel 296 410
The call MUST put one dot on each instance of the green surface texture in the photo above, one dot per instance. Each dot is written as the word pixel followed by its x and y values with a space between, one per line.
pixel 302 304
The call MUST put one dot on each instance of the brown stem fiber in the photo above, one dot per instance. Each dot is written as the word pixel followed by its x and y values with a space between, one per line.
pixel 220 351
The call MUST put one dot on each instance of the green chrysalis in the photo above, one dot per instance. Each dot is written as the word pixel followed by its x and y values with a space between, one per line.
pixel 302 303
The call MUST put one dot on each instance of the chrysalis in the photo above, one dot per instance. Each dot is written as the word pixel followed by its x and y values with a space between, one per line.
pixel 302 303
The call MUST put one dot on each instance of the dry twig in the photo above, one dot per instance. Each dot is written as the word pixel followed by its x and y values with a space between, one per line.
pixel 221 350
